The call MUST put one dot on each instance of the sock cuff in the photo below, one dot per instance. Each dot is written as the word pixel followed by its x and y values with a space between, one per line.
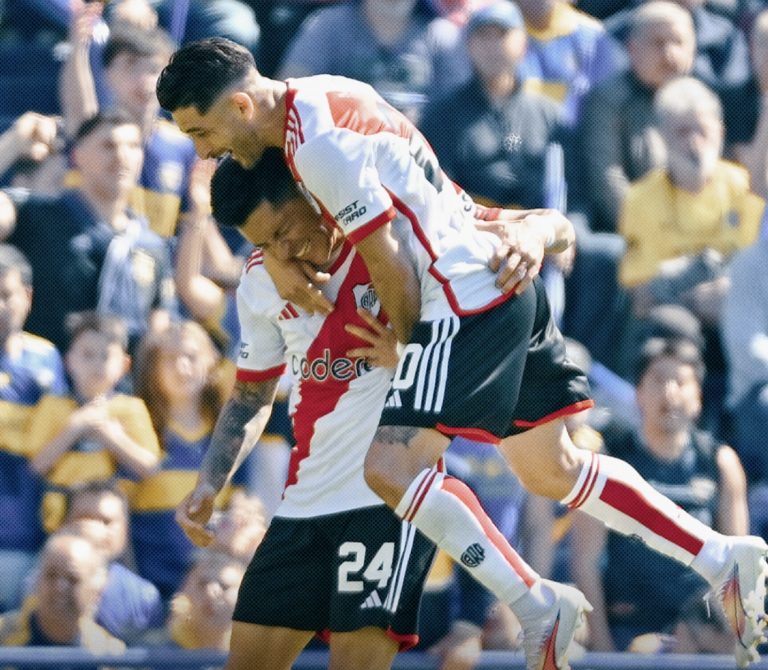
pixel 417 490
pixel 585 483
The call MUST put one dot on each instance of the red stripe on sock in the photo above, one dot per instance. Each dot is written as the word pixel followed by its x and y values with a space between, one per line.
pixel 418 497
pixel 589 483
pixel 466 496
pixel 632 503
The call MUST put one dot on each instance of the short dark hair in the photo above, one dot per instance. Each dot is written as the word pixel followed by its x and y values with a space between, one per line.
pixel 13 259
pixel 110 117
pixel 236 191
pixel 201 71
pixel 682 350
pixel 127 38
pixel 110 326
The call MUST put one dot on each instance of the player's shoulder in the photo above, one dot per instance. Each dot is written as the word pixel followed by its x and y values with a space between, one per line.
pixel 256 287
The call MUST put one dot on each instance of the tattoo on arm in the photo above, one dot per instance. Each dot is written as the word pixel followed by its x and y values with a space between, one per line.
pixel 396 434
pixel 228 448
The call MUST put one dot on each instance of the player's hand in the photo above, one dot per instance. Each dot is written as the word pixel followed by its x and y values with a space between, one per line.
pixel 382 351
pixel 194 513
pixel 298 282
pixel 518 258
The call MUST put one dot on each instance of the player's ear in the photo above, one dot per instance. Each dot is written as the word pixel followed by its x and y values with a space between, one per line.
pixel 242 103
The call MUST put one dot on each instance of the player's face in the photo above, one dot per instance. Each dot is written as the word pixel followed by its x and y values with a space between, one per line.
pixel 669 396
pixel 230 126
pixel 292 231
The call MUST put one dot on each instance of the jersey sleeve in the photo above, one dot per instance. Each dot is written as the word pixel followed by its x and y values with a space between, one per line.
pixel 339 169
pixel 262 347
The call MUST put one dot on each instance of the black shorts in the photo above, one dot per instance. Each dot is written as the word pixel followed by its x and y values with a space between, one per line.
pixel 489 375
pixel 338 572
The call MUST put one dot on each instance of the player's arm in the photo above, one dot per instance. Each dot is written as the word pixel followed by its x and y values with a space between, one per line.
pixel 240 424
pixel 394 279
pixel 555 230
pixel 526 235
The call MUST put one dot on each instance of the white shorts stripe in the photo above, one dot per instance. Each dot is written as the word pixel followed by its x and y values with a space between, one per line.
pixel 407 533
pixel 434 367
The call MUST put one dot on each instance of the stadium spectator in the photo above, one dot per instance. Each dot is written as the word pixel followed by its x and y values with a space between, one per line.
pixel 618 140
pixel 406 52
pixel 107 258
pixel 240 527
pixel 132 59
pixel 33 142
pixel 61 610
pixel 569 52
pixel 183 380
pixel 195 19
pixel 129 604
pixel 703 212
pixel 722 56
pixel 747 123
pixel 637 591
pixel 744 329
pixel 29 368
pixel 498 141
pixel 201 610
pixel 94 433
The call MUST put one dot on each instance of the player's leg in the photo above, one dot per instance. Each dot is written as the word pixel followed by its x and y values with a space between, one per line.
pixel 380 564
pixel 368 648
pixel 609 489
pixel 457 376
pixel 283 597
pixel 269 647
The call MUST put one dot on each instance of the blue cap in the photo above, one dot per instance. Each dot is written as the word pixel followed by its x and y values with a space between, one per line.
pixel 500 13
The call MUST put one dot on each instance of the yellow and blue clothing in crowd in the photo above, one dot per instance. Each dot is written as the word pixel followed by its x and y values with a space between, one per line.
pixel 33 369
pixel 19 628
pixel 162 193
pixel 162 550
pixel 568 57
pixel 88 461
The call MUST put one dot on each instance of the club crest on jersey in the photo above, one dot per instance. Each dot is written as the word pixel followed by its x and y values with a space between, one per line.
pixel 366 298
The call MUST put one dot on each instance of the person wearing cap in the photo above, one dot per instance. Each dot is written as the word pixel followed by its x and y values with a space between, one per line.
pixel 491 136
pixel 400 47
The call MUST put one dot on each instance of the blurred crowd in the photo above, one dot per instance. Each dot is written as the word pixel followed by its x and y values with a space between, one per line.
pixel 646 122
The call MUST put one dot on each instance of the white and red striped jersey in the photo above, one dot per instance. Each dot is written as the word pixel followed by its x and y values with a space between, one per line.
pixel 365 165
pixel 335 401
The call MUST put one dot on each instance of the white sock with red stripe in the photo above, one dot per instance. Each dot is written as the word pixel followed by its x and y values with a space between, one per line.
pixel 447 511
pixel 612 491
